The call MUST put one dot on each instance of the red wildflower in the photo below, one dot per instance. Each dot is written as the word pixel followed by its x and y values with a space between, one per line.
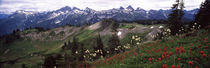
pixel 177 49
pixel 171 53
pixel 149 59
pixel 163 56
pixel 135 53
pixel 141 55
pixel 205 39
pixel 172 40
pixel 190 50
pixel 206 47
pixel 199 46
pixel 196 66
pixel 179 59
pixel 181 47
pixel 164 49
pixel 201 52
pixel 159 59
pixel 164 66
pixel 164 53
pixel 109 59
pixel 204 55
pixel 182 50
pixel 126 53
pixel 172 66
pixel 178 66
pixel 167 55
pixel 190 62
pixel 196 59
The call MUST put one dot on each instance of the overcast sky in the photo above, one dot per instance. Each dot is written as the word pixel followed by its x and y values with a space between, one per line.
pixel 48 5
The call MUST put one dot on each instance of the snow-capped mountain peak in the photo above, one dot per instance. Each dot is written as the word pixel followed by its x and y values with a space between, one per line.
pixel 75 16
pixel 64 9
pixel 121 8
pixel 130 8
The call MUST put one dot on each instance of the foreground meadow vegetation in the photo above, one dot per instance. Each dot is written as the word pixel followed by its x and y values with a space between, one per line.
pixel 181 51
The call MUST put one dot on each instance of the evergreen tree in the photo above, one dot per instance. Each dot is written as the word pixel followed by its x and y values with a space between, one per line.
pixel 203 15
pixel 74 46
pixel 82 52
pixel 66 61
pixel 49 62
pixel 69 46
pixel 99 46
pixel 64 46
pixel 114 43
pixel 24 66
pixel 114 26
pixel 175 18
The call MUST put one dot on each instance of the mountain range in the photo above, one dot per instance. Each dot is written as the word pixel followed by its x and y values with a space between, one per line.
pixel 74 16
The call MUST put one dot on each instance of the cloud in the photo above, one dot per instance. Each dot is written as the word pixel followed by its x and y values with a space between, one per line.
pixel 49 5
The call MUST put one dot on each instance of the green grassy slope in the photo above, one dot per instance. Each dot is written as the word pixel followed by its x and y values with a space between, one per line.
pixel 33 51
pixel 175 51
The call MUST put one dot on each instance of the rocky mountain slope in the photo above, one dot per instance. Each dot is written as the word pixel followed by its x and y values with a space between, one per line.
pixel 74 16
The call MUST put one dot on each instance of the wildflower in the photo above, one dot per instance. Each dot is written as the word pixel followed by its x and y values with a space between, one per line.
pixel 196 66
pixel 164 66
pixel 96 62
pixel 201 52
pixel 109 59
pixel 164 49
pixel 164 53
pixel 94 54
pixel 182 50
pixel 199 46
pixel 190 62
pixel 172 40
pixel 159 59
pixel 151 27
pixel 178 66
pixel 206 39
pixel 167 55
pixel 135 53
pixel 168 30
pixel 76 52
pixel 87 51
pixel 206 47
pixel 179 59
pixel 107 51
pixel 177 49
pixel 196 59
pixel 190 49
pixel 149 59
pixel 137 43
pixel 162 56
pixel 172 66
pixel 204 55
pixel 141 55
pixel 171 53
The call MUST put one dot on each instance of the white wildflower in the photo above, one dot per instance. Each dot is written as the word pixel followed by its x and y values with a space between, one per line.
pixel 76 52
pixel 151 27
pixel 161 27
